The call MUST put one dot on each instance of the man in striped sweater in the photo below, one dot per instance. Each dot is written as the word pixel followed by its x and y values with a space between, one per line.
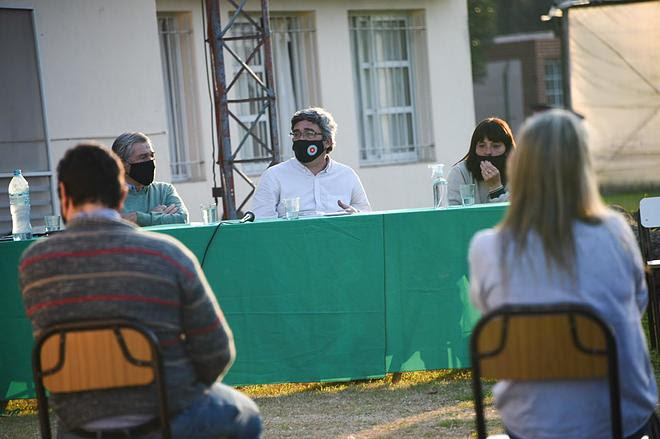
pixel 105 267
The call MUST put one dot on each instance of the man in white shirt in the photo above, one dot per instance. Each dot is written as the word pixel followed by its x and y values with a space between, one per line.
pixel 323 185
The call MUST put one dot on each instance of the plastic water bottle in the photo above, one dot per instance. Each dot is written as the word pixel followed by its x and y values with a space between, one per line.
pixel 19 205
pixel 440 199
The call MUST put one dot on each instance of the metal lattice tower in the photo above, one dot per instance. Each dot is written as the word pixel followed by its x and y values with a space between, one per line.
pixel 218 37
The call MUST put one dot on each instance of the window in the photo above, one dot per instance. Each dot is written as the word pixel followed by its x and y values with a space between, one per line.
pixel 176 50
pixel 392 83
pixel 295 76
pixel 23 139
pixel 553 83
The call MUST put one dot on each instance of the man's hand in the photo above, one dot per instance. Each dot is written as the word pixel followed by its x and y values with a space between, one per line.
pixel 165 209
pixel 132 217
pixel 347 207
pixel 491 175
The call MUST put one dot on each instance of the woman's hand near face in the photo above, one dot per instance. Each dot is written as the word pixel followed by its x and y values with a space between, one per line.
pixel 491 175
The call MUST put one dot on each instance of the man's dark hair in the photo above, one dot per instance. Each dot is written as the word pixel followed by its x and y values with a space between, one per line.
pixel 90 172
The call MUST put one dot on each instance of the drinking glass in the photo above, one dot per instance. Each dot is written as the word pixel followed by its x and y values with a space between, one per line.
pixel 467 193
pixel 291 207
pixel 52 223
pixel 209 213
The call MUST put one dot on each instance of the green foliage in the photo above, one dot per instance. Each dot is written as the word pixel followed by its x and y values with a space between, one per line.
pixel 488 18
pixel 518 16
pixel 630 200
pixel 482 24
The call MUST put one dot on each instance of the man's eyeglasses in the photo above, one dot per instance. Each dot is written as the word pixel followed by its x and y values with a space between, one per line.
pixel 304 134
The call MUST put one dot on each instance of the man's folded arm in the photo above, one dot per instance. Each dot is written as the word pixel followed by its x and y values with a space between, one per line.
pixel 171 197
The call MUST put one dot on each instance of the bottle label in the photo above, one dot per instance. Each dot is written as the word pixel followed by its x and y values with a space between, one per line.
pixel 19 199
pixel 19 205
pixel 20 219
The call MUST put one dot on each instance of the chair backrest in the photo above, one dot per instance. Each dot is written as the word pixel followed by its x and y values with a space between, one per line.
pixel 95 355
pixel 649 218
pixel 78 360
pixel 649 212
pixel 544 342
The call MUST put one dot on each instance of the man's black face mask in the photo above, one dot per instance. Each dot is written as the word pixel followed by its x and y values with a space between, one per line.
pixel 143 172
pixel 307 150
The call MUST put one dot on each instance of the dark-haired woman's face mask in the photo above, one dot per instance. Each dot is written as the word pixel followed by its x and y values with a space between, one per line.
pixel 499 161
pixel 494 152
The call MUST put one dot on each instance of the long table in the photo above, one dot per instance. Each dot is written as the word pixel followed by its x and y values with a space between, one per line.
pixel 315 299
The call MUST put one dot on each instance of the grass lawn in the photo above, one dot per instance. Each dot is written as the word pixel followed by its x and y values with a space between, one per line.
pixel 420 405
pixel 630 200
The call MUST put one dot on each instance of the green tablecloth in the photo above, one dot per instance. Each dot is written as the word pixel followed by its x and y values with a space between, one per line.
pixel 315 299
pixel 429 315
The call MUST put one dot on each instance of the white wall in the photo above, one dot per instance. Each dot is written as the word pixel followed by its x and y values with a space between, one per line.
pixel 101 70
pixel 195 193
pixel 392 187
pixel 100 61
pixel 409 185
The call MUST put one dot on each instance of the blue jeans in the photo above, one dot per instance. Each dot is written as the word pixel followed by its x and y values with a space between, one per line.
pixel 222 412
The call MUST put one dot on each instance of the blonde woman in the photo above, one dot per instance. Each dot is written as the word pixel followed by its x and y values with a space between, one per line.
pixel 559 243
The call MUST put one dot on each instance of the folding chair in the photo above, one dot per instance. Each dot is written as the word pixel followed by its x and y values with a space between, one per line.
pixel 649 217
pixel 94 355
pixel 544 342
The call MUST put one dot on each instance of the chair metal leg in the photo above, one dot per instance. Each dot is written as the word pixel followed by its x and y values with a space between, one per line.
pixel 652 310
pixel 655 310
pixel 477 393
pixel 44 418
pixel 40 390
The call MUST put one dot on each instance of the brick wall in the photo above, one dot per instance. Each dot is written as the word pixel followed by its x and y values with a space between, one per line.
pixel 545 49
pixel 532 54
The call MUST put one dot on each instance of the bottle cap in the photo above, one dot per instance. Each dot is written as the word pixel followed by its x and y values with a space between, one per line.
pixel 437 169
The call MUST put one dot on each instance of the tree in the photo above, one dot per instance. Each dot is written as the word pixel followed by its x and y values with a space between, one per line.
pixel 488 18
pixel 518 16
pixel 482 25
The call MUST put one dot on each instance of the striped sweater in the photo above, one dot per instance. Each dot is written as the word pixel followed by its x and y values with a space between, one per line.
pixel 104 268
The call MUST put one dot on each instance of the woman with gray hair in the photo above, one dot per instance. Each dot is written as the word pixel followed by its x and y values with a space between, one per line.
pixel 559 244
pixel 148 202
pixel 322 185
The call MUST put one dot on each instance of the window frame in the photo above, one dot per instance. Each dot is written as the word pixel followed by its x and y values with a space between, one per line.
pixel 370 154
pixel 553 82
pixel 180 93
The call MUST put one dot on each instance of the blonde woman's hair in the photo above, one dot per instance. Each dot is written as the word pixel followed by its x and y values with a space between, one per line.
pixel 552 185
